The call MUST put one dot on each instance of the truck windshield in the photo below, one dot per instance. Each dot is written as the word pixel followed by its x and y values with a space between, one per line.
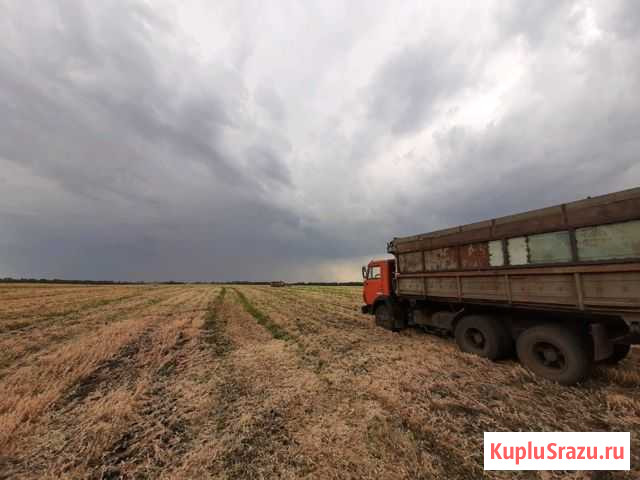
pixel 374 272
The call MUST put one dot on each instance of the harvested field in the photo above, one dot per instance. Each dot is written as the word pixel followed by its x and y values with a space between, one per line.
pixel 256 382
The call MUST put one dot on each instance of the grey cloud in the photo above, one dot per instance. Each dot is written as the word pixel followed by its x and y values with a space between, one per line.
pixel 267 164
pixel 534 20
pixel 620 17
pixel 269 99
pixel 571 143
pixel 127 156
pixel 407 87
pixel 104 96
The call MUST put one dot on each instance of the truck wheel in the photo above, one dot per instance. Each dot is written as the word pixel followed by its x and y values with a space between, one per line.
pixel 392 318
pixel 620 351
pixel 384 317
pixel 556 353
pixel 483 335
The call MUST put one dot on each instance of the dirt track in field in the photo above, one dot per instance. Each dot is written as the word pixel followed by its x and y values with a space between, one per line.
pixel 259 382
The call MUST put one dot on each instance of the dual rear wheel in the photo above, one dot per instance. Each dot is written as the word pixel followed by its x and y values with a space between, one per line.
pixel 485 336
pixel 554 352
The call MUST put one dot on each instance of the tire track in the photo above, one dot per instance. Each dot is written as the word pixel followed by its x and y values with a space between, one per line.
pixel 134 386
pixel 22 347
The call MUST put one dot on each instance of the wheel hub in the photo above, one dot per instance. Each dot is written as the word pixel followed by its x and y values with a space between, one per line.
pixel 476 338
pixel 549 356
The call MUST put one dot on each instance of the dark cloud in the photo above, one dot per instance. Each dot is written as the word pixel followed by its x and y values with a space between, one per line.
pixel 137 146
pixel 407 87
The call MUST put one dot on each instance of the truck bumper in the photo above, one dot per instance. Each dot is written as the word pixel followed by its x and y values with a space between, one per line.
pixel 365 309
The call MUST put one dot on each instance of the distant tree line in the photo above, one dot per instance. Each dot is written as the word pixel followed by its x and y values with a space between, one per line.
pixel 169 282
pixel 311 284
pixel 75 282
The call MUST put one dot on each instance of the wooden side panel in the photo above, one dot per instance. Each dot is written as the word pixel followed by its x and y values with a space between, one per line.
pixel 409 246
pixel 609 242
pixel 410 262
pixel 411 286
pixel 466 234
pixel 534 221
pixel 555 289
pixel 611 289
pixel 441 259
pixel 550 247
pixel 475 255
pixel 486 287
pixel 615 207
pixel 442 287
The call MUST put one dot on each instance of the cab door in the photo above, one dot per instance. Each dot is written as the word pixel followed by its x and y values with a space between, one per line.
pixel 373 284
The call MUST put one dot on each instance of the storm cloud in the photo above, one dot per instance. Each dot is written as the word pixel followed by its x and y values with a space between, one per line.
pixel 244 140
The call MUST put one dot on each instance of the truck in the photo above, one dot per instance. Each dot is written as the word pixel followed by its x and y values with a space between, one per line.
pixel 558 286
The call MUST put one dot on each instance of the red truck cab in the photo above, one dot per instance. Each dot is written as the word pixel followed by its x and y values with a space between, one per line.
pixel 378 278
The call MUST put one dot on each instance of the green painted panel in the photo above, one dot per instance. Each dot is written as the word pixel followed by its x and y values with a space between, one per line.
pixel 609 242
pixel 550 247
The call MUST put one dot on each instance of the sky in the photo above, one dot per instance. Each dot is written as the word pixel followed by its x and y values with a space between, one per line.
pixel 242 140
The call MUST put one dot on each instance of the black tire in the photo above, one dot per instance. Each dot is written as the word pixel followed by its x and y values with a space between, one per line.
pixel 390 317
pixel 556 353
pixel 620 352
pixel 483 335
pixel 384 317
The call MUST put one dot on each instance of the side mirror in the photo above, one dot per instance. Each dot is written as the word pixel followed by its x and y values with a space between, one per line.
pixel 364 272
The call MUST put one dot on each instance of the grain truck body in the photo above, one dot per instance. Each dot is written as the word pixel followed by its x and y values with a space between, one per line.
pixel 574 266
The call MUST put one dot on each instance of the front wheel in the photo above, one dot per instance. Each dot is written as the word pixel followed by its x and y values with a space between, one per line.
pixel 556 353
pixel 389 318
pixel 383 317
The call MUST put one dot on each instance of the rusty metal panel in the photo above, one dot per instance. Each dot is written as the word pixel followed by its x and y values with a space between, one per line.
pixel 477 234
pixel 609 242
pixel 411 286
pixel 611 289
pixel 614 207
pixel 442 287
pixel 474 255
pixel 476 226
pixel 441 259
pixel 488 287
pixel 410 262
pixel 518 251
pixel 554 289
pixel 545 219
pixel 549 247
pixel 496 253
pixel 401 246
pixel 440 233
